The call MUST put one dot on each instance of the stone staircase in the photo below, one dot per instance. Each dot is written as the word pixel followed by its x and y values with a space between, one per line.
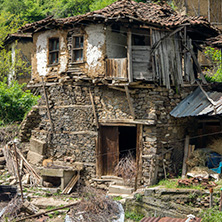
pixel 114 185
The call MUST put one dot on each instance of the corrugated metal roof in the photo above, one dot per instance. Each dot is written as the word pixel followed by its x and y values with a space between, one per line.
pixel 168 219
pixel 197 104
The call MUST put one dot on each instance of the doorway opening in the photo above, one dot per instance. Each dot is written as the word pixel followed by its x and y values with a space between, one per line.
pixel 116 142
pixel 127 141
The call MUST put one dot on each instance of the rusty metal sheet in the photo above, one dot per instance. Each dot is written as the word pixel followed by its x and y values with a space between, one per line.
pixel 150 219
pixel 168 219
pixel 197 104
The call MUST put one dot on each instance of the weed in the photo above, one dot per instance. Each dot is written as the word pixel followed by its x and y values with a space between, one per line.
pixel 211 215
pixel 138 197
pixel 117 198
pixel 134 216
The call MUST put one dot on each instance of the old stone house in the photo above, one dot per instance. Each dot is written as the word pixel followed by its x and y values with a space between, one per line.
pixel 109 80
pixel 22 44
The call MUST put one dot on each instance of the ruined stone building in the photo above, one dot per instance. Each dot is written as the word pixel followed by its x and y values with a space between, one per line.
pixel 109 80
pixel 22 45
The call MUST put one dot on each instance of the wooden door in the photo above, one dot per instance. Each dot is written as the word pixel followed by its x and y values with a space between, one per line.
pixel 109 149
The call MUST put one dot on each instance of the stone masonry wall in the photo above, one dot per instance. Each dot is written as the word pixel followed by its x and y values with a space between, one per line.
pixel 75 131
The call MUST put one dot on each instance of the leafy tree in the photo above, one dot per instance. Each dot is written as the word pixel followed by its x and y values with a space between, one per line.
pixel 214 74
pixel 14 102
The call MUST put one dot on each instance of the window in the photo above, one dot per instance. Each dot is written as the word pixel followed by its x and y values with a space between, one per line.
pixel 53 51
pixel 77 49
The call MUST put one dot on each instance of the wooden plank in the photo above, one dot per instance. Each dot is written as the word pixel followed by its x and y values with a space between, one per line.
pixel 130 102
pixel 116 68
pixel 129 55
pixel 140 48
pixel 71 184
pixel 109 149
pixel 47 211
pixel 186 147
pixel 139 147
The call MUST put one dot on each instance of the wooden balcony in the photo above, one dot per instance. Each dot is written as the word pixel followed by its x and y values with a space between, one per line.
pixel 116 69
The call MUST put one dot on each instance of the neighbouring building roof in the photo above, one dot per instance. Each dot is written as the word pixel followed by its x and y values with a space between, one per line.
pixel 168 219
pixel 148 13
pixel 11 37
pixel 216 41
pixel 197 104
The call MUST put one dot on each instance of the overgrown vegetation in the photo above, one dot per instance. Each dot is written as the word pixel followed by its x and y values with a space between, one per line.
pixel 214 74
pixel 134 216
pixel 14 102
pixel 211 215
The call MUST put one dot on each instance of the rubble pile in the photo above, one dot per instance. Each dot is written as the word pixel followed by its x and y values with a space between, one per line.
pixel 195 181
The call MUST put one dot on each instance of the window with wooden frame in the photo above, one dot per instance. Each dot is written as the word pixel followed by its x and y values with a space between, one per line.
pixel 77 48
pixel 53 51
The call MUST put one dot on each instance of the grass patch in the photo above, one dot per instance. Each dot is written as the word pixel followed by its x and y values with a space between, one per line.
pixel 117 198
pixel 168 183
pixel 134 216
pixel 173 184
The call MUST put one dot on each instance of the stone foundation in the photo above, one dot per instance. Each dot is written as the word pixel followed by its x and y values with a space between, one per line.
pixel 75 134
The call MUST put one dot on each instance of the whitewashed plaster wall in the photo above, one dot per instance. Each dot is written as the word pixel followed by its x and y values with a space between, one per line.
pixel 95 47
pixel 42 52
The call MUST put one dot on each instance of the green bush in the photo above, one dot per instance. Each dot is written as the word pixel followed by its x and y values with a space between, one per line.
pixel 14 102
pixel 214 74
pixel 211 215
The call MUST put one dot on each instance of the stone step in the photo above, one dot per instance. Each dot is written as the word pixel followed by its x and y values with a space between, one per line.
pixel 2 160
pixel 120 189
pixel 111 178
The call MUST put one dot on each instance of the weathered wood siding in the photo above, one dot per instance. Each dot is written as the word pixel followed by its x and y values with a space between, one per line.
pixel 141 63
pixel 116 68
pixel 167 59
pixel 188 64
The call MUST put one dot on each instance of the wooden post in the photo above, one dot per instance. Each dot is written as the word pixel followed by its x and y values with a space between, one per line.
pixel 186 147
pixel 211 197
pixel 17 168
pixel 139 136
pixel 208 10
pixel 129 55
pixel 130 102
pixel 94 108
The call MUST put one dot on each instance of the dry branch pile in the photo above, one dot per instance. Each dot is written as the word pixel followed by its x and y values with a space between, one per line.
pixel 126 168
pixel 12 210
pixel 197 158
pixel 216 146
pixel 94 206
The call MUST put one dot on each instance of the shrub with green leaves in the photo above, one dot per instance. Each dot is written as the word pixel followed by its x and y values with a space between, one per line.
pixel 214 74
pixel 14 102
pixel 211 215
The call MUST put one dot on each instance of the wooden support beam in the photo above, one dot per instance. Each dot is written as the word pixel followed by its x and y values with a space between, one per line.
pixel 139 147
pixel 197 64
pixel 18 173
pixel 130 102
pixel 47 105
pixel 129 55
pixel 186 148
pixel 94 108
